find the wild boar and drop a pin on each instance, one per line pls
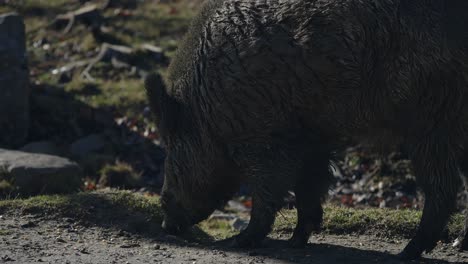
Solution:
(266, 91)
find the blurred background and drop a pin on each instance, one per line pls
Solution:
(85, 104)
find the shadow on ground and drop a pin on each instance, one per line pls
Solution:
(141, 218)
(325, 253)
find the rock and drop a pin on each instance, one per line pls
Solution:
(218, 215)
(14, 76)
(90, 144)
(42, 147)
(39, 173)
(239, 224)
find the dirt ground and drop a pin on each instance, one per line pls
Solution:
(33, 239)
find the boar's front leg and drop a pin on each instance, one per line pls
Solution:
(271, 169)
(436, 171)
(311, 188)
(462, 240)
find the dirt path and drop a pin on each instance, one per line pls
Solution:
(30, 239)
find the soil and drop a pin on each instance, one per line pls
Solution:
(39, 239)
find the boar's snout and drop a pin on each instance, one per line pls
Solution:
(172, 228)
(176, 219)
(175, 225)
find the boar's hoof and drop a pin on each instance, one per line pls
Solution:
(407, 255)
(171, 229)
(412, 251)
(298, 241)
(416, 247)
(243, 241)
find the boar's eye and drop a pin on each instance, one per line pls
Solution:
(162, 144)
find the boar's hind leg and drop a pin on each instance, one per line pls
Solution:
(462, 240)
(437, 173)
(311, 188)
(271, 169)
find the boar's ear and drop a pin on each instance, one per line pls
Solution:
(159, 100)
(155, 90)
(156, 93)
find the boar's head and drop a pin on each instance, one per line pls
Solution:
(198, 178)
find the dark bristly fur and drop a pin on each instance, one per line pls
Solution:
(266, 91)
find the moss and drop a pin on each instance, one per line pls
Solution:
(143, 214)
(218, 229)
(381, 222)
(123, 210)
(120, 209)
(4, 232)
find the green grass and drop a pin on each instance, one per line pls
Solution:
(140, 213)
(218, 229)
(84, 203)
(36, 7)
(4, 232)
(119, 175)
(155, 23)
(373, 221)
(125, 96)
(113, 91)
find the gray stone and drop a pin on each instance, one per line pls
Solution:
(42, 147)
(14, 79)
(39, 173)
(90, 144)
(239, 224)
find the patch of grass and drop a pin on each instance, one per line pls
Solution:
(139, 213)
(45, 9)
(7, 185)
(122, 90)
(4, 232)
(80, 204)
(218, 229)
(123, 210)
(126, 96)
(117, 89)
(119, 175)
(158, 23)
(372, 221)
(88, 206)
